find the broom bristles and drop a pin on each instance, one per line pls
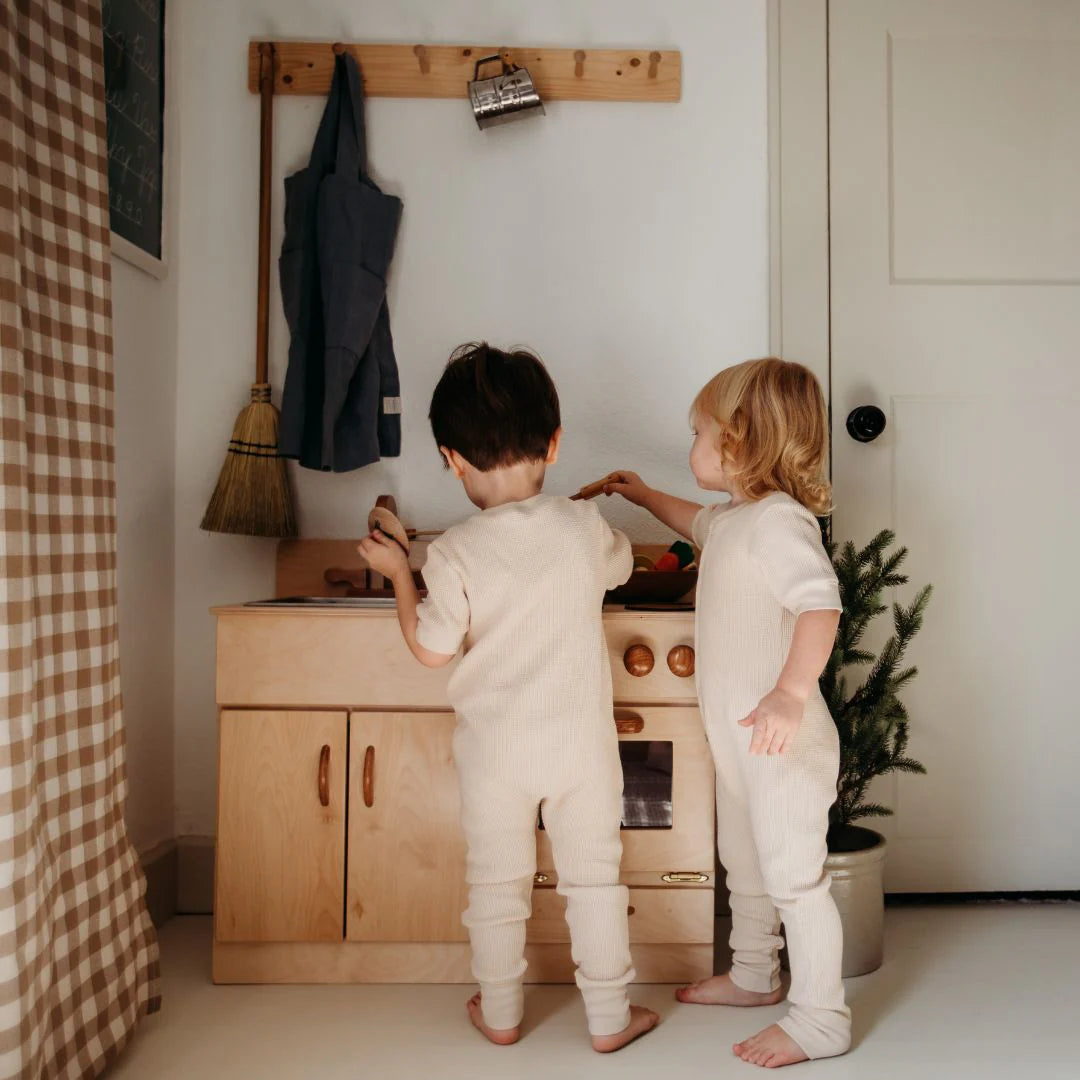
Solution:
(252, 496)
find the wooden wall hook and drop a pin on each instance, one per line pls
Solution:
(338, 48)
(422, 57)
(654, 63)
(579, 63)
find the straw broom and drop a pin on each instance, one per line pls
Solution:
(252, 496)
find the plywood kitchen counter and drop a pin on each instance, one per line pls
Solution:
(339, 854)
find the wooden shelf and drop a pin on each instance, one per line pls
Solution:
(442, 71)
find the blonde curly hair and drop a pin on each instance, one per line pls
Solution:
(774, 429)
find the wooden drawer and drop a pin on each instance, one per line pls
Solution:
(656, 916)
(346, 659)
(317, 659)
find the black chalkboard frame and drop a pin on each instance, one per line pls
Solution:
(121, 246)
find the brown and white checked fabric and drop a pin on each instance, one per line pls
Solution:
(78, 954)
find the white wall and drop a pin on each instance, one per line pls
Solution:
(144, 358)
(626, 243)
(144, 333)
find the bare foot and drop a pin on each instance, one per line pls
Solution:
(770, 1048)
(720, 990)
(641, 1021)
(500, 1036)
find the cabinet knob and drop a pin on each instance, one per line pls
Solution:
(638, 660)
(368, 781)
(681, 661)
(324, 775)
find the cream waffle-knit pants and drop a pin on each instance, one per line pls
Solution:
(772, 816)
(578, 788)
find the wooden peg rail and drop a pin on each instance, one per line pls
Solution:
(442, 71)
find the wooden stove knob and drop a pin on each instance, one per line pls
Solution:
(681, 661)
(638, 660)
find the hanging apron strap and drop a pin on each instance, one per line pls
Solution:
(324, 149)
(340, 142)
(352, 133)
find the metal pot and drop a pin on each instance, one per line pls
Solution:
(508, 96)
(859, 893)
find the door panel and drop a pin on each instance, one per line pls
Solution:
(280, 851)
(688, 846)
(955, 266)
(406, 873)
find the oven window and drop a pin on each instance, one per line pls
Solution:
(646, 800)
(647, 770)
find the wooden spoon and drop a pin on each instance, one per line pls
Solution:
(590, 491)
(386, 521)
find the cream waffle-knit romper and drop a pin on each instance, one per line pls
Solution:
(763, 565)
(522, 585)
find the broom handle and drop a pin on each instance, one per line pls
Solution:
(266, 98)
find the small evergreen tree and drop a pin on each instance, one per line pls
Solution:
(870, 718)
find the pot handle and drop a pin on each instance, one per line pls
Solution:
(507, 68)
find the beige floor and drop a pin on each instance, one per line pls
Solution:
(979, 991)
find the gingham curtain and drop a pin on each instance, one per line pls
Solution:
(78, 955)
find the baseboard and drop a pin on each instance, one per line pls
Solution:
(161, 868)
(195, 892)
(1030, 896)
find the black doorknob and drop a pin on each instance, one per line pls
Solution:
(865, 423)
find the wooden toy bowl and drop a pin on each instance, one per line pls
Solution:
(654, 587)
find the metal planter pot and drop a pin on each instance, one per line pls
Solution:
(859, 893)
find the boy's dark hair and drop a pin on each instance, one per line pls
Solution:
(495, 408)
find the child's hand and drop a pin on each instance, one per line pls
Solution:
(775, 722)
(629, 485)
(384, 555)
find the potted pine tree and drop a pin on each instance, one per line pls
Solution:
(873, 727)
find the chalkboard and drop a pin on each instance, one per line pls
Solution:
(133, 34)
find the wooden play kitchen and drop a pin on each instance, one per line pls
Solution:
(339, 853)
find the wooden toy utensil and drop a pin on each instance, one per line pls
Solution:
(590, 491)
(386, 521)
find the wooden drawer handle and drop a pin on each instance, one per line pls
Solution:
(369, 776)
(324, 775)
(629, 725)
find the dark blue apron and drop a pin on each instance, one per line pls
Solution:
(341, 405)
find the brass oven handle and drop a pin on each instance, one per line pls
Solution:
(324, 775)
(369, 776)
(629, 724)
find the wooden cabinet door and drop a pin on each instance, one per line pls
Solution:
(406, 872)
(281, 826)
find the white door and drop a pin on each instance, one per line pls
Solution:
(955, 265)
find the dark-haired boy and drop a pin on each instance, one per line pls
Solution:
(521, 584)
